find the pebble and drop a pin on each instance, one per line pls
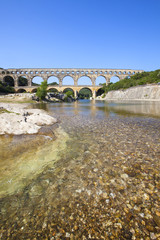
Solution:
(152, 235)
(105, 186)
(124, 176)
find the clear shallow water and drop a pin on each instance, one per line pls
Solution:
(102, 184)
(103, 108)
(18, 169)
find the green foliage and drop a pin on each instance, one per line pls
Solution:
(5, 88)
(100, 91)
(135, 80)
(53, 90)
(53, 83)
(84, 93)
(3, 110)
(23, 81)
(65, 99)
(42, 90)
(35, 84)
(9, 81)
(69, 93)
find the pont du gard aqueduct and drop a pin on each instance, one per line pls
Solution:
(60, 73)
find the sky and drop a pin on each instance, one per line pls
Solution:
(121, 34)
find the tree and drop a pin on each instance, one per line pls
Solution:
(69, 93)
(42, 90)
(23, 81)
(4, 88)
(9, 81)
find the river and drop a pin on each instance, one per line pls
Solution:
(98, 179)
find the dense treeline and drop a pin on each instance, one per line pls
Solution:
(5, 88)
(137, 79)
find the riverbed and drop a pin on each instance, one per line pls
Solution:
(99, 181)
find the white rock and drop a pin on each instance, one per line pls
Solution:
(124, 176)
(16, 123)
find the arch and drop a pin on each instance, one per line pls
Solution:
(22, 81)
(114, 79)
(21, 90)
(85, 93)
(9, 80)
(84, 80)
(34, 90)
(69, 92)
(68, 89)
(68, 80)
(53, 90)
(127, 77)
(99, 92)
(36, 80)
(52, 80)
(100, 80)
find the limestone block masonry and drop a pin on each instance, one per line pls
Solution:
(60, 73)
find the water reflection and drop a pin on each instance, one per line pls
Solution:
(103, 108)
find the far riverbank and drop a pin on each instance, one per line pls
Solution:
(149, 92)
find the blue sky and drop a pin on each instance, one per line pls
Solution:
(80, 34)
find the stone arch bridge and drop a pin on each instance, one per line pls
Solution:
(61, 73)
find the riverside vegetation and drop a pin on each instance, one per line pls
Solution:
(5, 88)
(135, 80)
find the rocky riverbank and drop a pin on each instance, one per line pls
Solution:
(17, 119)
(146, 93)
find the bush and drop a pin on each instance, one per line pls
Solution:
(42, 90)
(69, 93)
